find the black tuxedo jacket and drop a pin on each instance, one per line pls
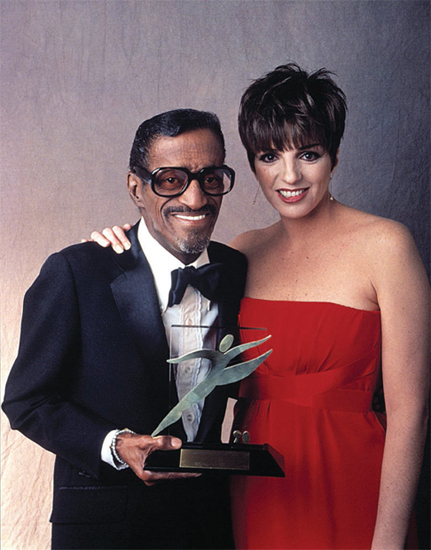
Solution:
(92, 358)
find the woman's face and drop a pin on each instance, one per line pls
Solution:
(294, 181)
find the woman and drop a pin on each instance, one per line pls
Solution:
(346, 299)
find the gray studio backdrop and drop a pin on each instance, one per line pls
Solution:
(78, 77)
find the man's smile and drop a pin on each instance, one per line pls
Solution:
(190, 217)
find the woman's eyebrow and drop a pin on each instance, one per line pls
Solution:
(309, 146)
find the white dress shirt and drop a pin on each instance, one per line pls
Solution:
(194, 310)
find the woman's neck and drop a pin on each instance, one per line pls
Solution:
(315, 226)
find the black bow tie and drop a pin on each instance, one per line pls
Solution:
(205, 279)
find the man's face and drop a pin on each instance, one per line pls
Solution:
(183, 225)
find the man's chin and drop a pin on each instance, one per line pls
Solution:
(194, 244)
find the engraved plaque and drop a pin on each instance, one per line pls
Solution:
(208, 459)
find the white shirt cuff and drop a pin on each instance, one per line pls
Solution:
(106, 453)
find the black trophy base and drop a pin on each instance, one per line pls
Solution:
(237, 459)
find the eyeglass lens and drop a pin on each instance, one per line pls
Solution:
(171, 181)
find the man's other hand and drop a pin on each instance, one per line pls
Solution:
(134, 450)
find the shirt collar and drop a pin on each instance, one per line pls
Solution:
(162, 263)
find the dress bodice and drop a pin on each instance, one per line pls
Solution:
(311, 337)
(324, 355)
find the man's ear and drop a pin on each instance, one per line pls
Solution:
(134, 185)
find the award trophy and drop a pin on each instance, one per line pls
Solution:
(203, 358)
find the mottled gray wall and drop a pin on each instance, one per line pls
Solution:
(77, 78)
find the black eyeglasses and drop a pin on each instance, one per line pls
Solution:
(172, 182)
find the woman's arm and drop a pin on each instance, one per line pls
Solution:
(403, 294)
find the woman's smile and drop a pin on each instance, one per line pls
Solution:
(292, 196)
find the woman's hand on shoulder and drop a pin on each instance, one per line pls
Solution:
(114, 237)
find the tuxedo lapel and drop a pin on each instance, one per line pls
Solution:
(228, 294)
(136, 298)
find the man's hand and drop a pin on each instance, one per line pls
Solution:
(134, 450)
(114, 237)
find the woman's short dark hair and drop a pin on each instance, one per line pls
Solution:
(171, 124)
(290, 108)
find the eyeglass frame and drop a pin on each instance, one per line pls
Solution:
(149, 177)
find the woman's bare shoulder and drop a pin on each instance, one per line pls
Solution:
(383, 240)
(253, 240)
(376, 230)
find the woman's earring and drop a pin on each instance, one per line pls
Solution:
(255, 197)
(331, 198)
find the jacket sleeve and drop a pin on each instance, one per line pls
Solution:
(38, 391)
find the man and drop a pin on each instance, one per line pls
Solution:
(91, 379)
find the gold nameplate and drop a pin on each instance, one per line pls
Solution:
(209, 459)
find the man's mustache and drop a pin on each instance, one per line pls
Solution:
(182, 209)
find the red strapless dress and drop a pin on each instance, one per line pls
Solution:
(312, 401)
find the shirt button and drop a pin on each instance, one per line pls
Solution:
(190, 417)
